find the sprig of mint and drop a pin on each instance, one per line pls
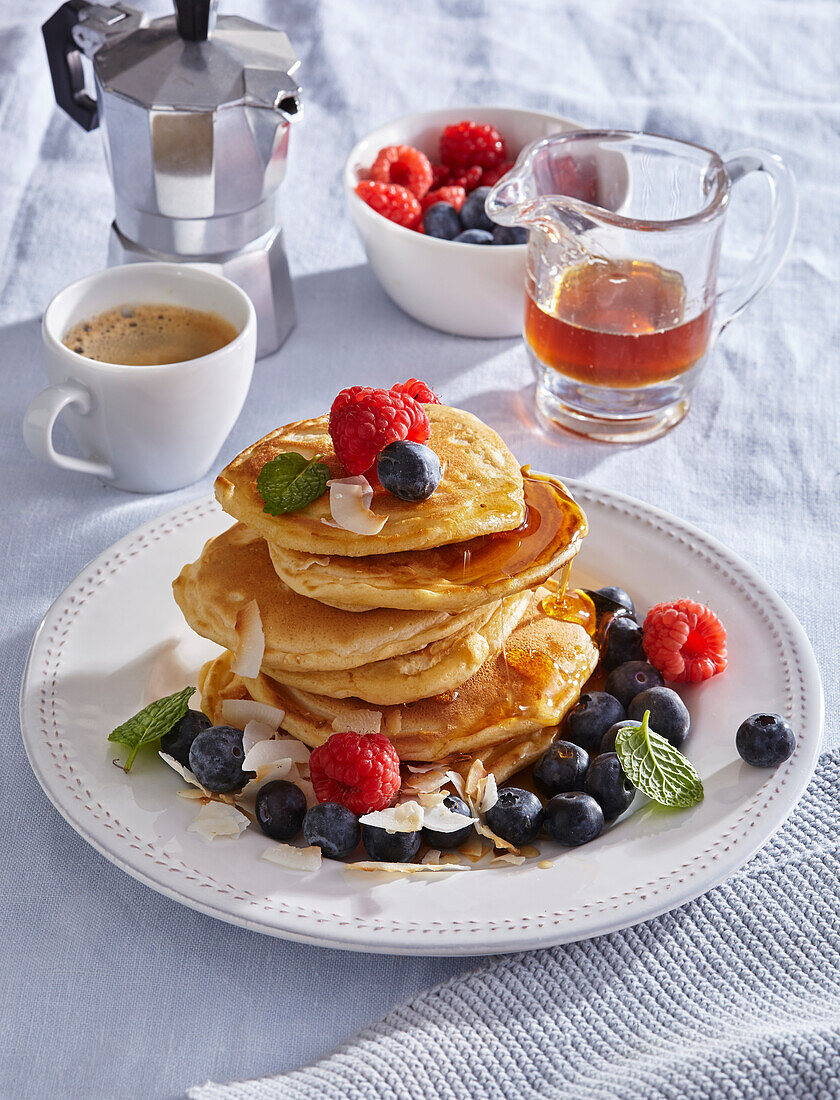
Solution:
(289, 482)
(658, 769)
(151, 723)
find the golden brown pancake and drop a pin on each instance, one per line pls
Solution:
(440, 667)
(480, 491)
(455, 577)
(235, 568)
(514, 695)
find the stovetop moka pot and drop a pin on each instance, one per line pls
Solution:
(195, 113)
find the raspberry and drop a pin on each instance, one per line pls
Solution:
(363, 421)
(491, 176)
(418, 390)
(469, 180)
(361, 771)
(685, 641)
(393, 202)
(468, 143)
(403, 165)
(441, 174)
(455, 196)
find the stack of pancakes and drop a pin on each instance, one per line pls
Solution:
(438, 630)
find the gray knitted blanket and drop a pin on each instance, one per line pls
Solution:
(736, 995)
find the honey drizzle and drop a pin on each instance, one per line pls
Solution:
(552, 520)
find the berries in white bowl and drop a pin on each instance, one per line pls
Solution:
(467, 289)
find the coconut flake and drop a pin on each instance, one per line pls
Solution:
(442, 820)
(490, 795)
(296, 859)
(425, 784)
(506, 857)
(218, 819)
(360, 721)
(239, 712)
(393, 720)
(403, 868)
(429, 799)
(474, 848)
(350, 499)
(265, 752)
(431, 858)
(498, 842)
(190, 793)
(184, 773)
(250, 641)
(422, 769)
(407, 818)
(457, 781)
(295, 750)
(254, 733)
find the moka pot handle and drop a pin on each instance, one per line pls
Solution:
(65, 60)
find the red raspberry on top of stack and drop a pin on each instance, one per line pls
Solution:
(363, 421)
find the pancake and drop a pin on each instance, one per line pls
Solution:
(440, 667)
(515, 694)
(300, 634)
(480, 492)
(454, 577)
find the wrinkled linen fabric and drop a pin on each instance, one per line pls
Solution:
(108, 989)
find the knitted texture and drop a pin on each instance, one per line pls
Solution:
(735, 996)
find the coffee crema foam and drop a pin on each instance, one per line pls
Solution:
(149, 335)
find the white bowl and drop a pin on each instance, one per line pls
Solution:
(465, 289)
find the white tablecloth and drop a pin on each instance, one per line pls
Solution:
(109, 990)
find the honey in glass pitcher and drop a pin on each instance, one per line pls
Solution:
(618, 323)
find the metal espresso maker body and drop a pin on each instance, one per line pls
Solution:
(195, 113)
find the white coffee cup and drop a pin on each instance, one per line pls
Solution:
(148, 429)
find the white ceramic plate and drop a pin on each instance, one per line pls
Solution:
(114, 639)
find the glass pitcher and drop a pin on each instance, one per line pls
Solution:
(621, 297)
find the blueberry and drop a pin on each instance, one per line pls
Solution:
(589, 720)
(333, 828)
(623, 643)
(609, 786)
(474, 236)
(608, 744)
(410, 471)
(573, 818)
(510, 234)
(280, 809)
(765, 740)
(216, 757)
(441, 220)
(668, 713)
(626, 681)
(473, 214)
(517, 817)
(460, 836)
(561, 768)
(619, 596)
(177, 742)
(389, 847)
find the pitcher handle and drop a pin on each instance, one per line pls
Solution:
(781, 225)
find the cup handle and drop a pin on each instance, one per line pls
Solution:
(40, 419)
(784, 206)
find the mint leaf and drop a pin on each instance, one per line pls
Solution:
(658, 769)
(151, 723)
(289, 482)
